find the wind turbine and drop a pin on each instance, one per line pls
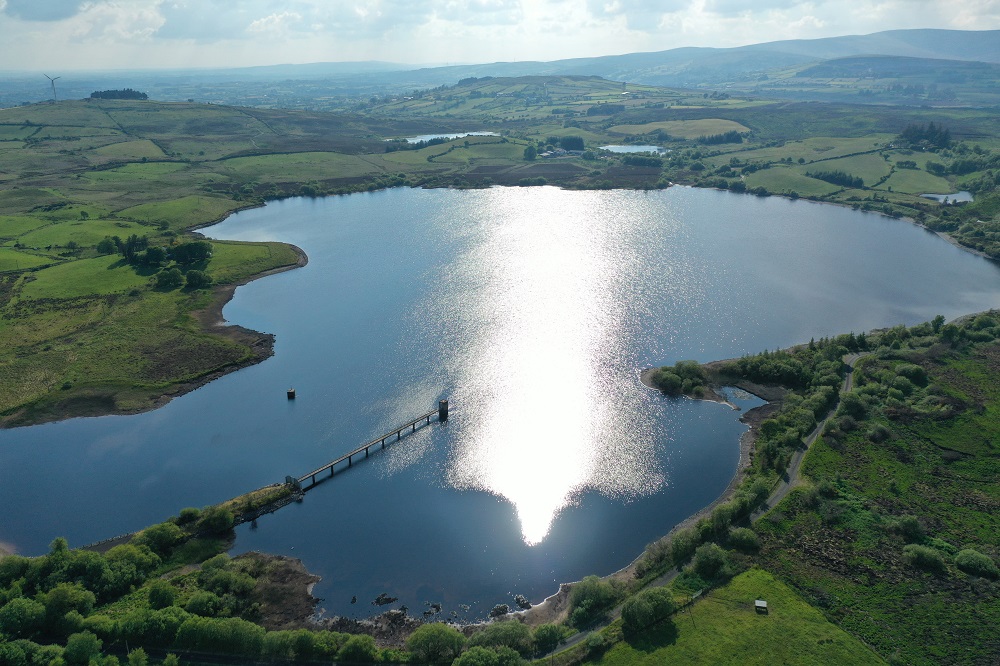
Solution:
(53, 81)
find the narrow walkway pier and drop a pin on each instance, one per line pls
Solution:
(311, 479)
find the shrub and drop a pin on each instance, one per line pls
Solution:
(588, 599)
(744, 539)
(435, 643)
(682, 545)
(975, 563)
(547, 637)
(359, 648)
(709, 560)
(910, 528)
(924, 558)
(169, 279)
(646, 608)
(161, 594)
(198, 280)
(509, 633)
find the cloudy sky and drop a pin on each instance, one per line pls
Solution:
(100, 34)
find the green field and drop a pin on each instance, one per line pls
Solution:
(723, 628)
(685, 129)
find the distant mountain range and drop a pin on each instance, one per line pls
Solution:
(681, 66)
(761, 69)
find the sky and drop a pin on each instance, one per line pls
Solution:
(64, 35)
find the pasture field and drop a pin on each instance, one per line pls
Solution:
(723, 628)
(871, 167)
(16, 260)
(296, 167)
(82, 232)
(73, 279)
(912, 181)
(785, 180)
(180, 213)
(685, 129)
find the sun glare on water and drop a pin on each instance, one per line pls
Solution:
(538, 326)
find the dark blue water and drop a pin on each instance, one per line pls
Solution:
(532, 310)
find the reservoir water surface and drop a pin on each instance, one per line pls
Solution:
(532, 310)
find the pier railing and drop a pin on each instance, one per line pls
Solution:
(310, 479)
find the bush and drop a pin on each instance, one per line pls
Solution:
(547, 637)
(975, 563)
(80, 648)
(924, 558)
(169, 279)
(588, 599)
(744, 539)
(198, 280)
(509, 633)
(647, 608)
(359, 648)
(161, 594)
(709, 560)
(910, 528)
(435, 643)
(682, 545)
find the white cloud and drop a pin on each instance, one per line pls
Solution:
(239, 32)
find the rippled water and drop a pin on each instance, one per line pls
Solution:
(532, 310)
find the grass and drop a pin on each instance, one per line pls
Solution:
(232, 261)
(297, 167)
(85, 277)
(723, 628)
(871, 167)
(912, 181)
(15, 260)
(82, 232)
(684, 129)
(184, 212)
(784, 180)
(12, 226)
(131, 150)
(848, 559)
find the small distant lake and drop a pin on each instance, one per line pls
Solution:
(428, 137)
(950, 198)
(635, 149)
(532, 310)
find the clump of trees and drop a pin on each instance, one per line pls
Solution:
(126, 93)
(643, 161)
(838, 177)
(732, 136)
(929, 136)
(683, 378)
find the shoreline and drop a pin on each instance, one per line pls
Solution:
(210, 320)
(554, 608)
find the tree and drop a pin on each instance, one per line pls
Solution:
(21, 618)
(509, 633)
(216, 519)
(106, 246)
(198, 280)
(359, 648)
(160, 538)
(547, 637)
(709, 560)
(435, 643)
(82, 647)
(161, 594)
(138, 657)
(646, 608)
(169, 279)
(571, 143)
(530, 153)
(189, 253)
(588, 599)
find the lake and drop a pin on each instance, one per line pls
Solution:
(532, 310)
(634, 149)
